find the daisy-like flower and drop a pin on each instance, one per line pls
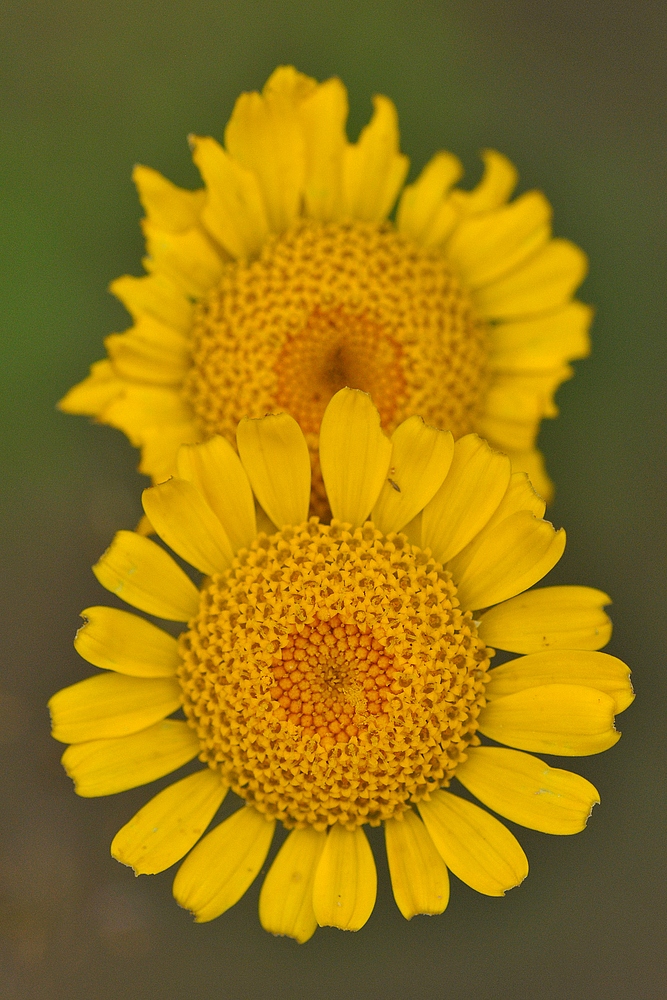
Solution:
(334, 675)
(282, 280)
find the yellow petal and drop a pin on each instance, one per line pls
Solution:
(264, 522)
(159, 448)
(544, 282)
(519, 495)
(525, 790)
(189, 258)
(217, 472)
(485, 247)
(277, 462)
(234, 212)
(354, 455)
(92, 396)
(496, 186)
(264, 135)
(513, 556)
(141, 573)
(445, 221)
(104, 767)
(419, 876)
(509, 436)
(542, 342)
(170, 824)
(224, 864)
(111, 705)
(373, 168)
(474, 486)
(571, 666)
(144, 406)
(420, 460)
(521, 397)
(323, 115)
(532, 463)
(286, 899)
(421, 201)
(413, 530)
(474, 845)
(156, 295)
(183, 519)
(549, 618)
(170, 207)
(120, 641)
(345, 883)
(144, 527)
(150, 352)
(563, 719)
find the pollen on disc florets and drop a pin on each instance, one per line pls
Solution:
(328, 305)
(331, 675)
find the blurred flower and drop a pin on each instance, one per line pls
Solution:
(281, 281)
(334, 675)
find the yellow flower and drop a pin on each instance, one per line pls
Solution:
(281, 281)
(337, 675)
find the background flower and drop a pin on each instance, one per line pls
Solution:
(281, 279)
(574, 94)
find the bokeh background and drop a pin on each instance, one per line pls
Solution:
(575, 94)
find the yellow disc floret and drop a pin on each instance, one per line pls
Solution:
(331, 305)
(331, 675)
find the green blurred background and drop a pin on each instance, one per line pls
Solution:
(575, 95)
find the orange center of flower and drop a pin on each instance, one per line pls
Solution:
(332, 678)
(333, 304)
(331, 675)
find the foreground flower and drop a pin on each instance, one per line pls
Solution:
(334, 675)
(281, 281)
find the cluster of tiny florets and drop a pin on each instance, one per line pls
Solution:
(331, 675)
(328, 305)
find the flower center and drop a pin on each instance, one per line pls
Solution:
(331, 675)
(333, 304)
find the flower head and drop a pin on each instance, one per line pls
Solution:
(282, 280)
(336, 675)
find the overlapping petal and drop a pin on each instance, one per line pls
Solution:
(354, 455)
(117, 640)
(216, 471)
(420, 460)
(475, 847)
(571, 666)
(525, 790)
(150, 352)
(566, 719)
(286, 899)
(170, 824)
(224, 864)
(275, 457)
(345, 882)
(474, 486)
(514, 555)
(107, 766)
(373, 167)
(111, 705)
(183, 519)
(549, 618)
(145, 576)
(419, 876)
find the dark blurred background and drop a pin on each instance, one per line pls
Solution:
(574, 93)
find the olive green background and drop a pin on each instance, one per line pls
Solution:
(575, 95)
